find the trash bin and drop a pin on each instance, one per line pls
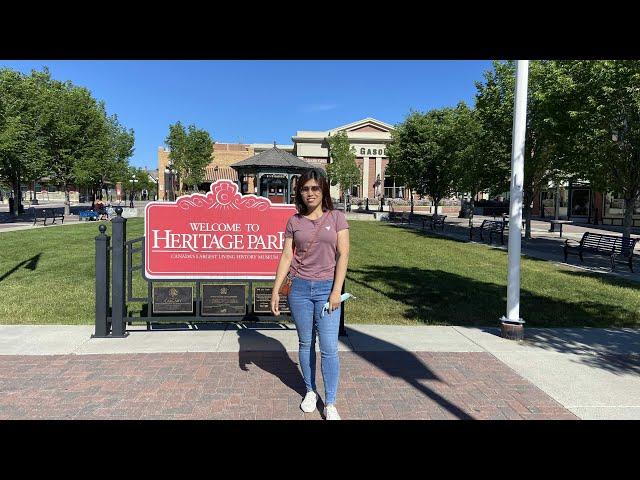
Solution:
(465, 211)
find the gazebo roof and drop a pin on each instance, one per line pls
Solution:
(273, 157)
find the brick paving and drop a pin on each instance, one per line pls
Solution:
(266, 385)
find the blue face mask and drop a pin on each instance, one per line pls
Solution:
(343, 297)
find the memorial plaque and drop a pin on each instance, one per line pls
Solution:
(224, 299)
(172, 299)
(262, 301)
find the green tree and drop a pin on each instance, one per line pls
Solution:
(424, 153)
(190, 152)
(111, 165)
(76, 135)
(473, 172)
(22, 153)
(59, 129)
(143, 181)
(342, 169)
(604, 106)
(547, 126)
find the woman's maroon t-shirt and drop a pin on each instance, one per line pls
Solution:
(320, 263)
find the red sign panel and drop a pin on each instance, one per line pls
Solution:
(222, 234)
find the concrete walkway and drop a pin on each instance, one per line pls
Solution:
(592, 373)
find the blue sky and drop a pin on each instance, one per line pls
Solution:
(261, 101)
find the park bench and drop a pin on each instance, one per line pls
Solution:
(394, 216)
(56, 213)
(88, 215)
(401, 217)
(489, 227)
(42, 214)
(39, 215)
(434, 221)
(611, 246)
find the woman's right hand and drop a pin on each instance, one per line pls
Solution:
(275, 303)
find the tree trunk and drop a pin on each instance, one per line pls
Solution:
(526, 207)
(411, 199)
(67, 200)
(629, 203)
(17, 195)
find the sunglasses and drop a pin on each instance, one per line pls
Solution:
(313, 188)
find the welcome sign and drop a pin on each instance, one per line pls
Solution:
(220, 235)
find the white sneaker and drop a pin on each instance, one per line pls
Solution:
(331, 413)
(308, 404)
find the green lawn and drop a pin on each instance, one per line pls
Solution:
(399, 276)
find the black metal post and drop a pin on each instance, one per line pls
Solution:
(35, 196)
(118, 307)
(342, 332)
(102, 283)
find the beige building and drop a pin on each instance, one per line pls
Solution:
(368, 138)
(224, 154)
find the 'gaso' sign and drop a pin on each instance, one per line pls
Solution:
(222, 234)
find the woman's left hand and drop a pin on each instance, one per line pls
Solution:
(334, 301)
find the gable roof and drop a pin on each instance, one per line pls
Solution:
(364, 125)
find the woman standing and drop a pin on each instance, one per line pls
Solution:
(317, 266)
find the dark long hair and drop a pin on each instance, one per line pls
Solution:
(320, 177)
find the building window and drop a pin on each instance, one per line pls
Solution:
(580, 201)
(614, 205)
(548, 200)
(392, 189)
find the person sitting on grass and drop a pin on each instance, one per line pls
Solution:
(110, 211)
(101, 211)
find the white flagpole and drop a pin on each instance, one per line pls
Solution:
(512, 319)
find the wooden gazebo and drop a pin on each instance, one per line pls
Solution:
(273, 173)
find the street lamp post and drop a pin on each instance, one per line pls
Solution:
(35, 196)
(169, 171)
(134, 180)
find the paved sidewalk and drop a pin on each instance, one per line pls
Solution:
(251, 372)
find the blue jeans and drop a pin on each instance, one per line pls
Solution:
(306, 299)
